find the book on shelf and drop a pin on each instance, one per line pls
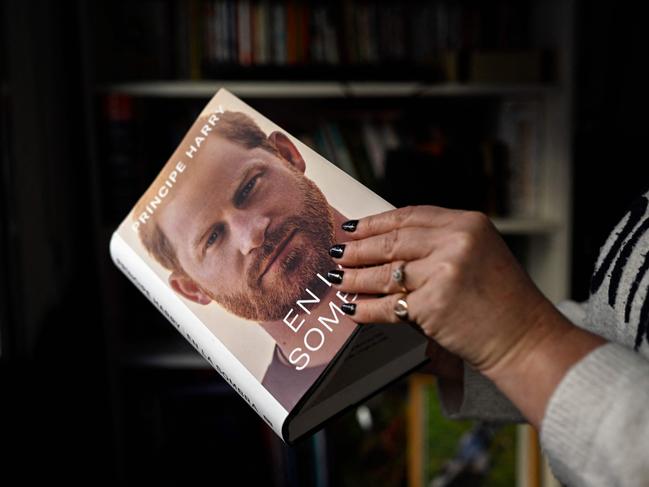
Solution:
(436, 41)
(450, 41)
(519, 128)
(231, 243)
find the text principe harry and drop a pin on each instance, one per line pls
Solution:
(178, 169)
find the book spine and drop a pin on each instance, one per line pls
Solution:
(220, 29)
(304, 34)
(375, 148)
(233, 48)
(208, 32)
(181, 44)
(519, 129)
(196, 36)
(244, 34)
(341, 151)
(349, 37)
(265, 32)
(259, 34)
(291, 33)
(227, 32)
(279, 34)
(331, 33)
(195, 331)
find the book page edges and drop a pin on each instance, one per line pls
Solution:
(356, 392)
(187, 323)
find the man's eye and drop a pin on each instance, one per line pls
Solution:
(247, 189)
(214, 234)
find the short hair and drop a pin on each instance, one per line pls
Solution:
(236, 127)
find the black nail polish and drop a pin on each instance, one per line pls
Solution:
(350, 226)
(337, 251)
(348, 308)
(335, 276)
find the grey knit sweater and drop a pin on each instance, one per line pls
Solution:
(596, 426)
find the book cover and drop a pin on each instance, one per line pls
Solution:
(230, 242)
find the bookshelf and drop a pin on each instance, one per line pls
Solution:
(339, 92)
(326, 89)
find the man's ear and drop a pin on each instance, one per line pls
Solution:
(287, 150)
(187, 287)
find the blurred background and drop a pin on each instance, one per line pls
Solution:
(533, 111)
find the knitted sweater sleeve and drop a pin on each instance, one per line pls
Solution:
(596, 427)
(595, 431)
(477, 398)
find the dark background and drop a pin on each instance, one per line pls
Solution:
(57, 409)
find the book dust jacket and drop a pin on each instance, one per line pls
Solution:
(231, 243)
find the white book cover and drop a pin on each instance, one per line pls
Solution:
(231, 243)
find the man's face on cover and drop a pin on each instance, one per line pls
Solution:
(250, 230)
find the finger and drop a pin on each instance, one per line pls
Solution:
(399, 244)
(408, 216)
(422, 303)
(380, 279)
(376, 310)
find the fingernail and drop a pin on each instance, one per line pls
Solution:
(335, 276)
(348, 308)
(350, 226)
(337, 251)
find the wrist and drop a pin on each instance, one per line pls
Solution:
(534, 330)
(531, 371)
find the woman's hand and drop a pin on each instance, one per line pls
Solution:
(468, 294)
(463, 286)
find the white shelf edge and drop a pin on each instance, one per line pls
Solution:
(525, 226)
(166, 358)
(171, 360)
(320, 89)
(487, 89)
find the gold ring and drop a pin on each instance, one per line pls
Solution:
(401, 309)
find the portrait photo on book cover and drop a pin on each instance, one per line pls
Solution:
(236, 228)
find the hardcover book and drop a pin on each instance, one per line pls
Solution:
(231, 243)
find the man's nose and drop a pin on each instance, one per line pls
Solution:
(249, 230)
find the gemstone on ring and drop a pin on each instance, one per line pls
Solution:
(401, 309)
(399, 275)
